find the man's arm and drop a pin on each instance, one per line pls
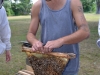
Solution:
(83, 29)
(34, 24)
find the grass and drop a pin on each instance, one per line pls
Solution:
(89, 52)
(18, 17)
(92, 17)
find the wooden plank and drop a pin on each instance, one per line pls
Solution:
(29, 72)
(23, 73)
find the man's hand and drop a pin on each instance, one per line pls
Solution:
(8, 56)
(37, 46)
(50, 45)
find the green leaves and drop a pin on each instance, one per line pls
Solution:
(22, 8)
(89, 5)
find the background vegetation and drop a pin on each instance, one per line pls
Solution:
(13, 9)
(23, 8)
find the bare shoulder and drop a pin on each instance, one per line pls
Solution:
(76, 4)
(36, 6)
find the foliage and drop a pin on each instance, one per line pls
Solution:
(7, 5)
(25, 1)
(89, 5)
(22, 8)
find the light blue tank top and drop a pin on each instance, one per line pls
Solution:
(56, 24)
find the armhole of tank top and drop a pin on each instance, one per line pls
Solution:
(71, 11)
(70, 7)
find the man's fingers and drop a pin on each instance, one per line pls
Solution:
(40, 47)
(33, 48)
(48, 48)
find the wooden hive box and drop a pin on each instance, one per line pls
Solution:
(52, 63)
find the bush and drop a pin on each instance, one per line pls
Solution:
(89, 5)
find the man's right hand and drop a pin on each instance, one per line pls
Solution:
(37, 46)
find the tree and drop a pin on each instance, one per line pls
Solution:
(7, 5)
(98, 6)
(25, 1)
(21, 7)
(91, 5)
(88, 5)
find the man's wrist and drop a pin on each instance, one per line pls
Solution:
(62, 41)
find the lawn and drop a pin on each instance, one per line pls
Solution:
(89, 52)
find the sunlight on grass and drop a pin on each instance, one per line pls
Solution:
(89, 17)
(92, 17)
(19, 17)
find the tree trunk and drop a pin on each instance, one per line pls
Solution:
(98, 6)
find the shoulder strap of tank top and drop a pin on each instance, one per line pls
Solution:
(43, 3)
(69, 5)
(68, 2)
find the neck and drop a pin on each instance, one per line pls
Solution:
(54, 1)
(48, 0)
(55, 4)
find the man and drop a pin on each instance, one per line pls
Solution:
(5, 33)
(63, 26)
